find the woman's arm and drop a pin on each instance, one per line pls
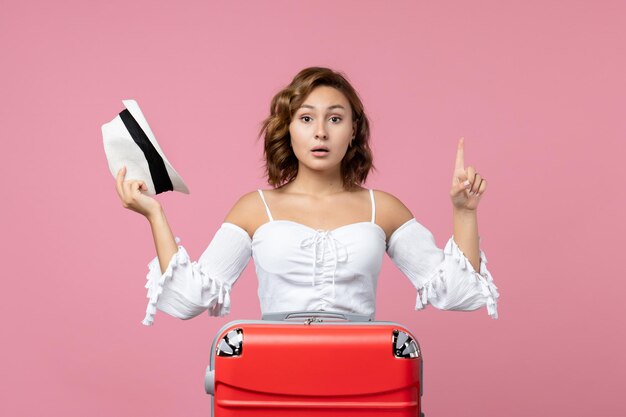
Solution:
(466, 235)
(455, 278)
(443, 277)
(164, 241)
(467, 188)
(132, 197)
(184, 288)
(187, 288)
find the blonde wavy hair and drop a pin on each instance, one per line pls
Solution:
(281, 164)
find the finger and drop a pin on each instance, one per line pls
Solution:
(462, 188)
(460, 179)
(459, 187)
(483, 186)
(470, 173)
(459, 164)
(128, 192)
(119, 180)
(475, 184)
(480, 183)
(140, 186)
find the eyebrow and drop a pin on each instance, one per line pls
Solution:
(334, 106)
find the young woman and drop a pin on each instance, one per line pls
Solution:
(318, 237)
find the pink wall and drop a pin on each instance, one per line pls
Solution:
(536, 87)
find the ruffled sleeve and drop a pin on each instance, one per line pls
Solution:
(444, 278)
(187, 287)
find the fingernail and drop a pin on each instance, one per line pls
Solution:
(466, 183)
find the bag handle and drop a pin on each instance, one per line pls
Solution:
(286, 315)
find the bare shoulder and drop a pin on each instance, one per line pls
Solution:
(248, 212)
(391, 213)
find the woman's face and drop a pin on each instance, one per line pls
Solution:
(323, 121)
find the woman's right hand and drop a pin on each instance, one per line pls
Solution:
(132, 197)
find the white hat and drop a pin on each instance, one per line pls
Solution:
(128, 140)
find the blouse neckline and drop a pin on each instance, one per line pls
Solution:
(312, 229)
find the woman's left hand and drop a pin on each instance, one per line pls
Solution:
(467, 184)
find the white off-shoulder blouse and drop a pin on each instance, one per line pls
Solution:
(301, 268)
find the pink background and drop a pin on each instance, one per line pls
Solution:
(537, 88)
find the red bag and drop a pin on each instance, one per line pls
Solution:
(314, 367)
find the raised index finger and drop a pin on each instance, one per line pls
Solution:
(459, 163)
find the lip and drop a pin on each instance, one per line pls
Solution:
(317, 154)
(318, 148)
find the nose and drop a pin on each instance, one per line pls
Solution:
(321, 131)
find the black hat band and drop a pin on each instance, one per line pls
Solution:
(158, 171)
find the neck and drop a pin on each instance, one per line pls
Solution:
(318, 183)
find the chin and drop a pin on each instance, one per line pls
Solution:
(323, 165)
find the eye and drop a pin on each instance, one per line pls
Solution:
(305, 117)
(336, 117)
